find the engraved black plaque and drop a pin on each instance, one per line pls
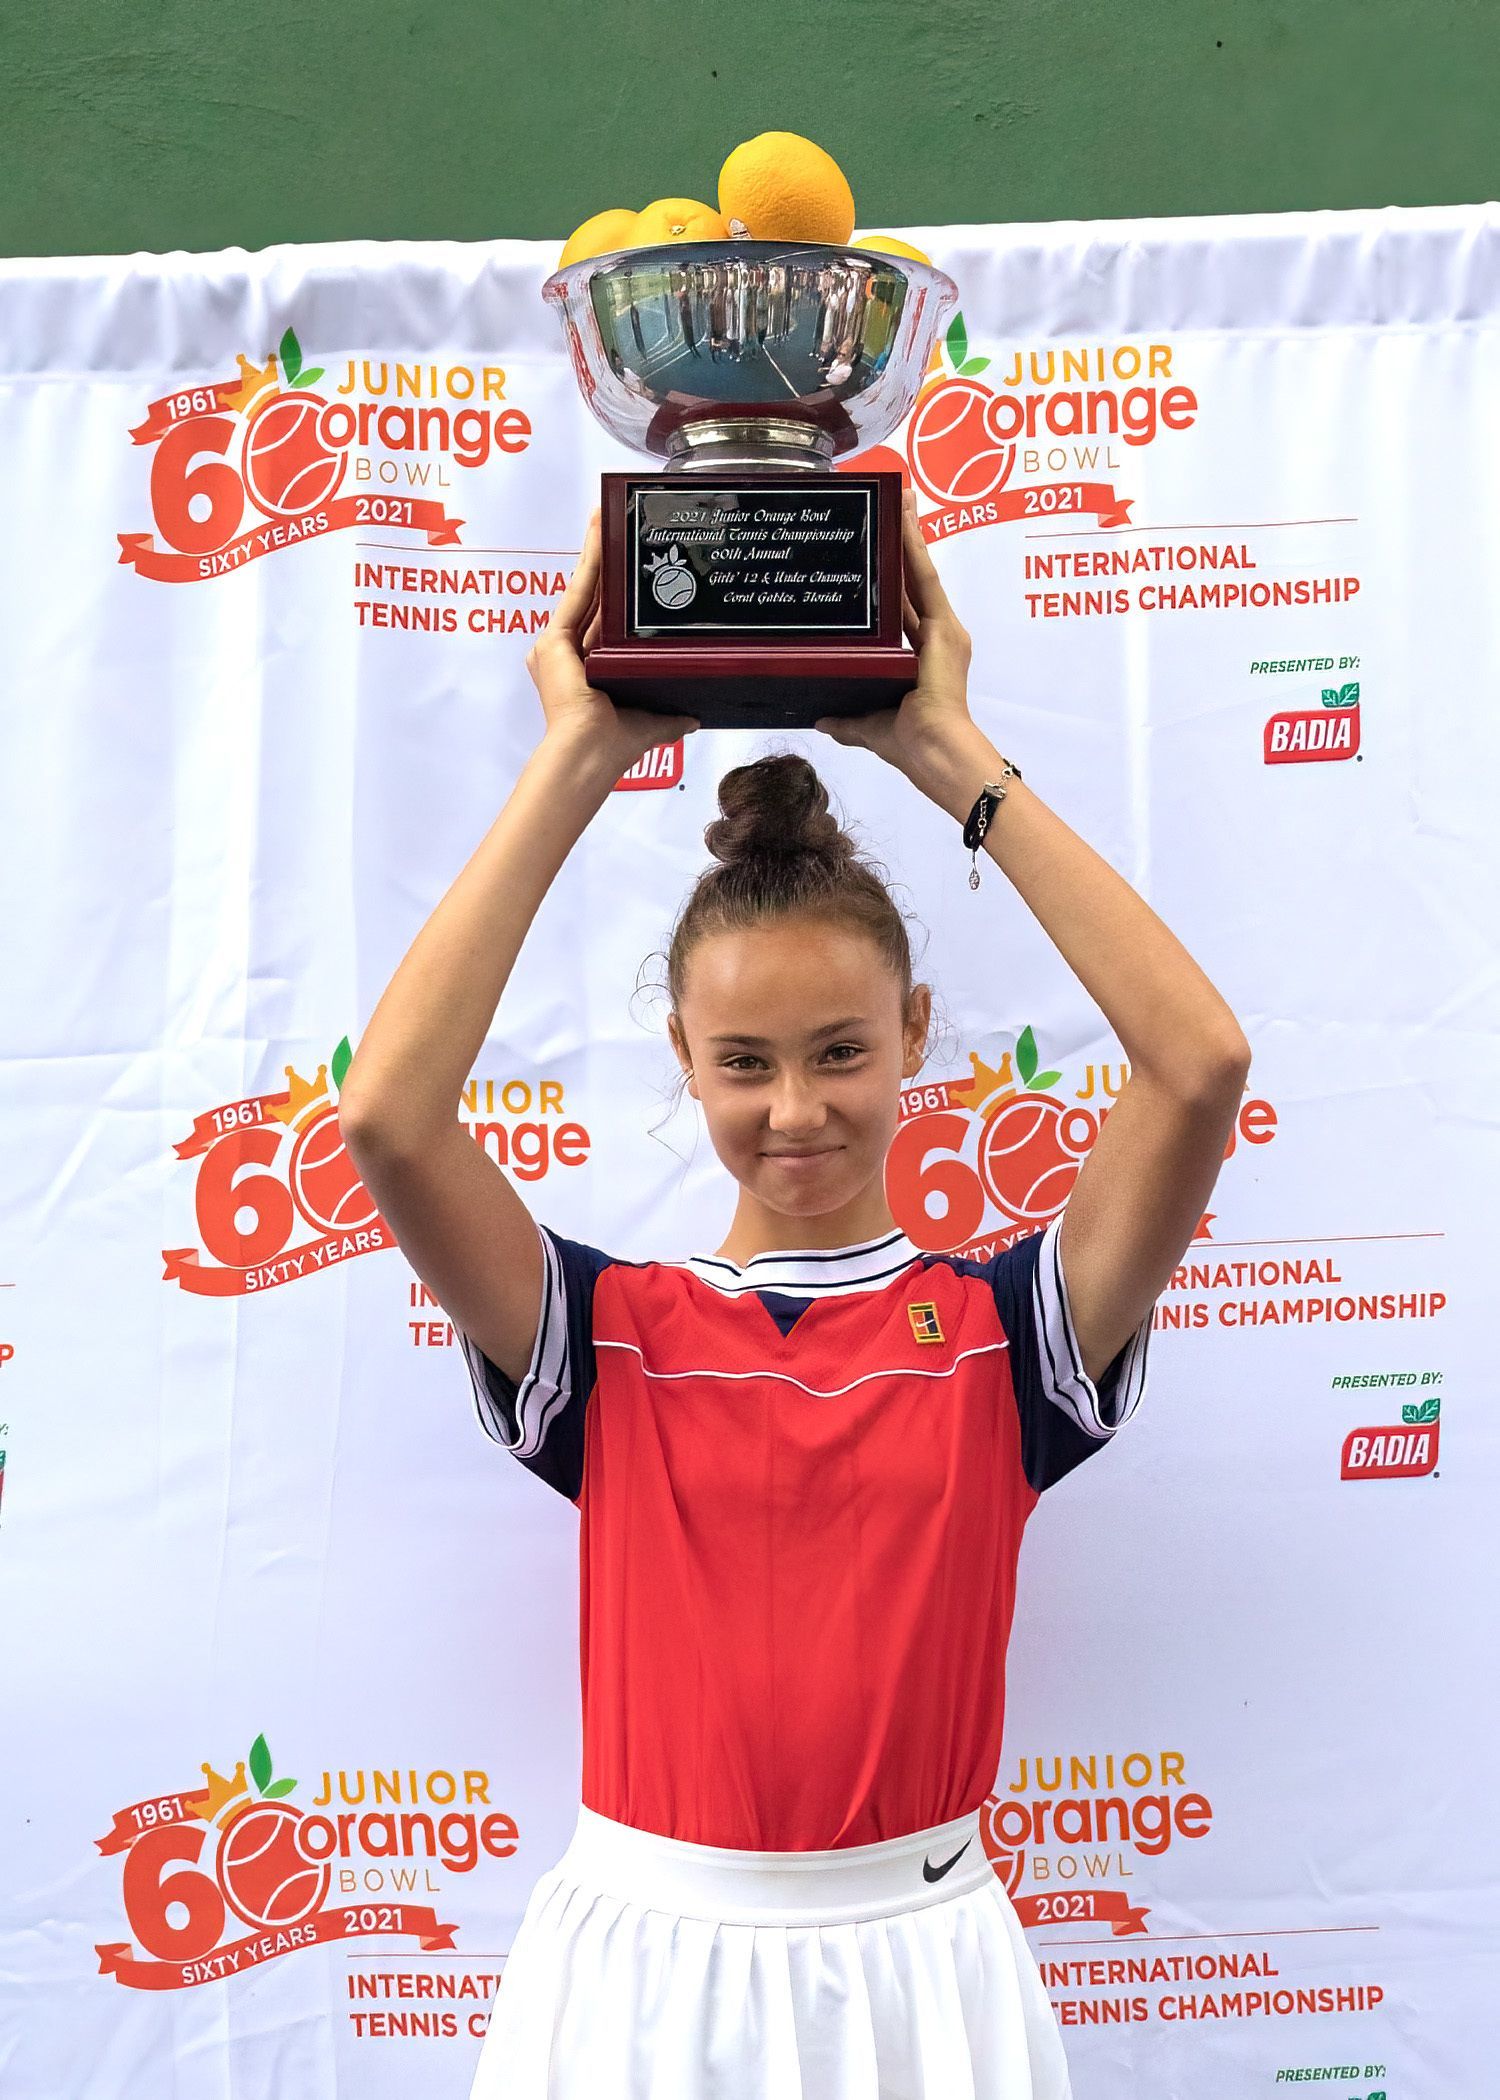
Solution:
(713, 558)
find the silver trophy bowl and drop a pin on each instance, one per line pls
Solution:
(715, 354)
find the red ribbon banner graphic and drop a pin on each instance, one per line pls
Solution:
(171, 409)
(185, 1265)
(146, 1815)
(117, 1957)
(139, 551)
(230, 1115)
(1097, 1906)
(1050, 502)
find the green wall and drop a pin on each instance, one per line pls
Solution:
(243, 122)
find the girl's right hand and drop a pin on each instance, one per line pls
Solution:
(571, 705)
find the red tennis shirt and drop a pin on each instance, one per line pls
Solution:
(802, 1485)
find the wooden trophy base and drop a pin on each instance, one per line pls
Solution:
(751, 598)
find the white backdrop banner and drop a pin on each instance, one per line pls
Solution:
(291, 1674)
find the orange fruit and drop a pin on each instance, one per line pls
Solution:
(782, 187)
(677, 219)
(887, 244)
(605, 231)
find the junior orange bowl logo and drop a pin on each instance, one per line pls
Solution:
(978, 1164)
(247, 466)
(199, 1863)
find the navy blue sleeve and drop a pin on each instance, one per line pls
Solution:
(1065, 1416)
(540, 1420)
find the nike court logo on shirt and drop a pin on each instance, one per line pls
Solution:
(932, 1873)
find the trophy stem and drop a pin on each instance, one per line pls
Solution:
(739, 442)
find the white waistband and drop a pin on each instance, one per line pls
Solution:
(787, 1888)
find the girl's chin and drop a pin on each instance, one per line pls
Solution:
(816, 1183)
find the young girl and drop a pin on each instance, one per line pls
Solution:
(802, 1461)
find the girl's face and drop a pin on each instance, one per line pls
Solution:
(794, 1041)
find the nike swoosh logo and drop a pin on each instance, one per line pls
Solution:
(932, 1873)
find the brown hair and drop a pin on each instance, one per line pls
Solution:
(780, 851)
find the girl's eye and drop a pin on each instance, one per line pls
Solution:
(746, 1061)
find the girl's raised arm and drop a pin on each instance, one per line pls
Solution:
(455, 1213)
(1141, 1193)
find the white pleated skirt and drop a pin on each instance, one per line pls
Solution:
(647, 1968)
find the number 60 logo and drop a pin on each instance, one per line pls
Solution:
(292, 459)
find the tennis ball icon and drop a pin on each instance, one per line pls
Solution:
(262, 1874)
(958, 451)
(673, 583)
(289, 468)
(324, 1180)
(1029, 1157)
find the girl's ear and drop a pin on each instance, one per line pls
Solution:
(917, 1027)
(679, 1045)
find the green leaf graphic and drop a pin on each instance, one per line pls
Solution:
(1349, 696)
(1330, 696)
(1043, 1080)
(958, 341)
(972, 365)
(260, 1762)
(291, 355)
(1026, 1054)
(343, 1058)
(307, 378)
(282, 1786)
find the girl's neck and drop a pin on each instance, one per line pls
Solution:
(759, 1230)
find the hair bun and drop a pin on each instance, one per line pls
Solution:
(775, 809)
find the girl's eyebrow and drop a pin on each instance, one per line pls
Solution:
(762, 1042)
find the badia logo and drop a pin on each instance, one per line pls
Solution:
(270, 1168)
(198, 1865)
(989, 446)
(1300, 735)
(660, 767)
(975, 1166)
(247, 466)
(1385, 1452)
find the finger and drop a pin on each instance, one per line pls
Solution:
(572, 610)
(909, 620)
(922, 578)
(591, 632)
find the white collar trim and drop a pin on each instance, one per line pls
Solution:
(809, 1272)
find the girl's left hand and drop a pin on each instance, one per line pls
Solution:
(935, 713)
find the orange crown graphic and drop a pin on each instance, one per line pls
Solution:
(221, 1791)
(307, 1097)
(254, 380)
(986, 1081)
